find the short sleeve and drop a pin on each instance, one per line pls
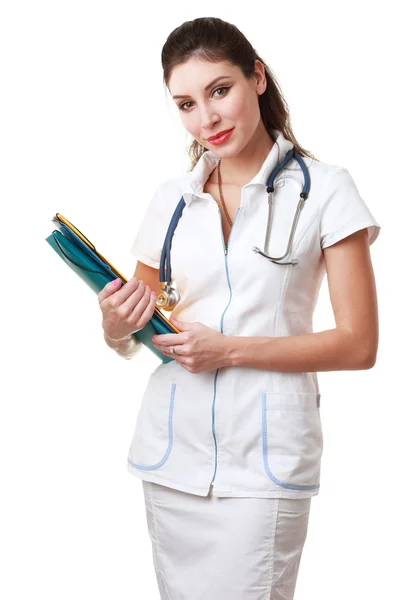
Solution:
(150, 236)
(343, 211)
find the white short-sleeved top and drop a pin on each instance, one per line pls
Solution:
(248, 432)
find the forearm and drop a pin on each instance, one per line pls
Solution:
(127, 347)
(330, 350)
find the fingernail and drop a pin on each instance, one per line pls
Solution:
(115, 282)
(153, 293)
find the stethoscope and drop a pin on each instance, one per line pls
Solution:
(168, 297)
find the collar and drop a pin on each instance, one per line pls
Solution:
(209, 160)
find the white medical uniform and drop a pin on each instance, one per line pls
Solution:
(254, 432)
(213, 548)
(230, 458)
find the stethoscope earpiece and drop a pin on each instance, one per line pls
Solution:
(293, 262)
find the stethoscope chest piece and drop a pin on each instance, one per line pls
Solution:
(168, 297)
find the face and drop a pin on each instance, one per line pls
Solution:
(230, 102)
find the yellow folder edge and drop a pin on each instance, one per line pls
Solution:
(59, 217)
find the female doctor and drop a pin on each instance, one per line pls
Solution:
(228, 439)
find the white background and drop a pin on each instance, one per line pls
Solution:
(88, 130)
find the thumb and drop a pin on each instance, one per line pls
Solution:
(182, 325)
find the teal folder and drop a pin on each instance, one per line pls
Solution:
(96, 271)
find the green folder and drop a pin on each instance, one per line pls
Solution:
(96, 271)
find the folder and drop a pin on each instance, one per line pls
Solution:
(96, 271)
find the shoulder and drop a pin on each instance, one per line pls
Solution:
(331, 181)
(169, 193)
(324, 174)
(166, 197)
(176, 185)
(342, 209)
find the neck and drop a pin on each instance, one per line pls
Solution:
(240, 169)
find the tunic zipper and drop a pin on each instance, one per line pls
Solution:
(225, 246)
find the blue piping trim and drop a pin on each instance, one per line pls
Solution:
(222, 329)
(265, 454)
(230, 291)
(168, 451)
(213, 425)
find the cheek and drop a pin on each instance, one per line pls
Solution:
(244, 108)
(191, 124)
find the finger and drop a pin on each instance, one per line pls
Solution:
(149, 310)
(132, 301)
(146, 304)
(165, 339)
(166, 346)
(182, 325)
(130, 286)
(110, 288)
(182, 362)
(178, 349)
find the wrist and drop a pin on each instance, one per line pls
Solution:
(232, 351)
(250, 351)
(127, 346)
(116, 339)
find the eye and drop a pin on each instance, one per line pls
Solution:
(216, 89)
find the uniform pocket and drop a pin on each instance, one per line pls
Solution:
(153, 437)
(292, 438)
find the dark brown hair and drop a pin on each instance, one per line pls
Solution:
(215, 40)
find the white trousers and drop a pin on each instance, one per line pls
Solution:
(210, 548)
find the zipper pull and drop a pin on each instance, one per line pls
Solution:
(226, 250)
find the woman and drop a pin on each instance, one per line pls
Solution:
(228, 440)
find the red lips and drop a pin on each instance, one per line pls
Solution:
(213, 137)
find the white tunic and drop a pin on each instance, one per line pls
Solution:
(246, 431)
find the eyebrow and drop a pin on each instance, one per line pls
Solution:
(207, 86)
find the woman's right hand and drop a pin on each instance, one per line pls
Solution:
(125, 308)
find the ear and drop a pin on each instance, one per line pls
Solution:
(260, 77)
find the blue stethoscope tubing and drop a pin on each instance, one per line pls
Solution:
(165, 261)
(303, 197)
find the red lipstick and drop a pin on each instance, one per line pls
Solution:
(221, 137)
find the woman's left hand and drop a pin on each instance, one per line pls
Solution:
(198, 348)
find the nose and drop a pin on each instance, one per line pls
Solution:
(208, 120)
